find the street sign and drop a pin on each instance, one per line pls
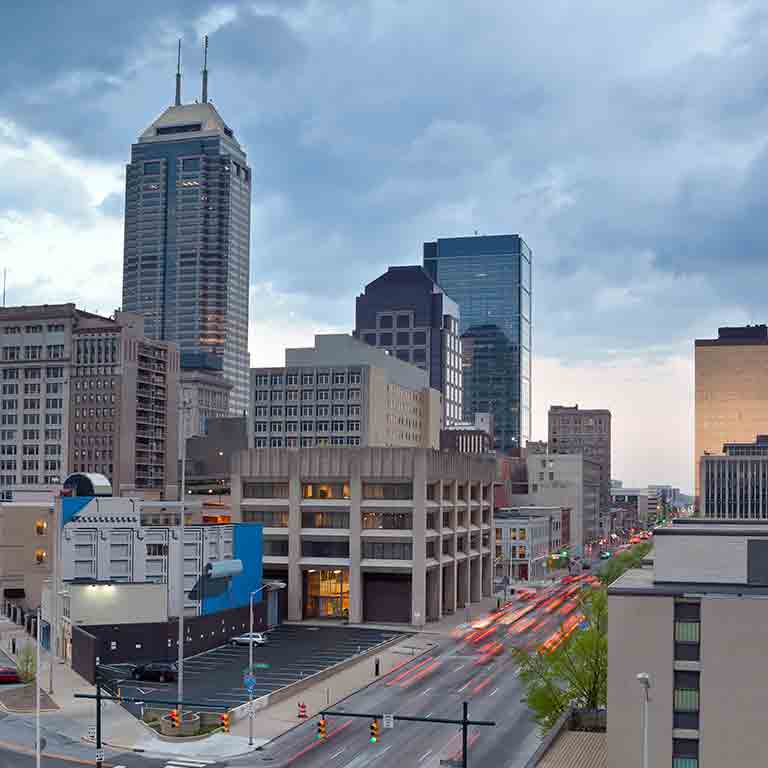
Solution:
(249, 681)
(388, 720)
(91, 731)
(261, 665)
(99, 755)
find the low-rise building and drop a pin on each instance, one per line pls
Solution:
(344, 392)
(694, 622)
(525, 537)
(734, 484)
(465, 437)
(372, 534)
(630, 506)
(204, 391)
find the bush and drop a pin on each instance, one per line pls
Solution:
(26, 662)
(621, 563)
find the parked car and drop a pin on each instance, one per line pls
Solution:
(586, 565)
(259, 638)
(162, 671)
(605, 555)
(9, 675)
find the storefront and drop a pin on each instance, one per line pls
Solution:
(326, 593)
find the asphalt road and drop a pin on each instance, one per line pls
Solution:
(475, 667)
(214, 679)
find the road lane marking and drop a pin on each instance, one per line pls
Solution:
(493, 691)
(337, 754)
(466, 685)
(425, 755)
(460, 668)
(424, 693)
(429, 714)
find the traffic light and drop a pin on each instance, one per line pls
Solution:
(322, 729)
(224, 719)
(374, 731)
(174, 715)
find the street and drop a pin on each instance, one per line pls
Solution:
(474, 666)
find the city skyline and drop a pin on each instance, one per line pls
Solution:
(357, 168)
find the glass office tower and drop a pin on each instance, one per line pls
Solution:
(490, 279)
(187, 239)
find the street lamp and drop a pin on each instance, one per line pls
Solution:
(267, 585)
(185, 406)
(645, 681)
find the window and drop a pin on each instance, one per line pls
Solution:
(686, 700)
(370, 338)
(153, 168)
(273, 518)
(276, 395)
(325, 490)
(420, 337)
(276, 380)
(307, 394)
(387, 521)
(292, 427)
(325, 548)
(404, 354)
(385, 321)
(383, 550)
(685, 753)
(307, 426)
(354, 410)
(323, 394)
(385, 339)
(253, 490)
(324, 519)
(292, 410)
(687, 631)
(354, 378)
(337, 426)
(403, 321)
(403, 338)
(276, 547)
(354, 394)
(419, 355)
(262, 380)
(388, 491)
(307, 379)
(190, 164)
(292, 379)
(157, 550)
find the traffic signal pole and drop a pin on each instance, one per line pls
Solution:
(465, 722)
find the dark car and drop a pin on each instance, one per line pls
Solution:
(9, 675)
(586, 565)
(162, 671)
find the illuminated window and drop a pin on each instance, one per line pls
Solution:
(40, 556)
(41, 526)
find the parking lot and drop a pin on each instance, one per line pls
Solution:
(214, 679)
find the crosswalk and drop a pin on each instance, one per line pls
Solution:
(185, 762)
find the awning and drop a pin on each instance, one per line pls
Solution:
(14, 593)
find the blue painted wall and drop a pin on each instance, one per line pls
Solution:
(221, 594)
(71, 505)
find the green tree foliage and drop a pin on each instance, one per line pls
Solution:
(622, 562)
(26, 663)
(576, 672)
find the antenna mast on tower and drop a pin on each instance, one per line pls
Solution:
(205, 70)
(178, 76)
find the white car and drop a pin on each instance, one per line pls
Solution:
(259, 638)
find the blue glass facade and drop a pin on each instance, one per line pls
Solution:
(490, 277)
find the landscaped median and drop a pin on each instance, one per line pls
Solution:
(20, 700)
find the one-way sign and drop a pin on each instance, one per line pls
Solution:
(388, 720)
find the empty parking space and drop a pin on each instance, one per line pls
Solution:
(214, 679)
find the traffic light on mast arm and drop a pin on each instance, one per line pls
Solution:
(374, 731)
(224, 719)
(322, 728)
(174, 716)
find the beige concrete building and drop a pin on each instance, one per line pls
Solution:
(695, 622)
(207, 393)
(371, 534)
(731, 390)
(25, 555)
(82, 392)
(344, 392)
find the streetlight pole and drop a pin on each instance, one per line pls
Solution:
(37, 691)
(184, 407)
(645, 681)
(268, 585)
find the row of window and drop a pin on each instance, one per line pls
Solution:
(292, 427)
(51, 372)
(32, 388)
(687, 684)
(14, 330)
(32, 352)
(29, 434)
(31, 403)
(292, 395)
(304, 442)
(30, 419)
(307, 379)
(399, 339)
(277, 411)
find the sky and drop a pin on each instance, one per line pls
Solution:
(625, 142)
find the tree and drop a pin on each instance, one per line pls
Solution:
(620, 563)
(576, 672)
(26, 662)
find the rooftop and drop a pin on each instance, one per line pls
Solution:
(187, 121)
(735, 336)
(576, 749)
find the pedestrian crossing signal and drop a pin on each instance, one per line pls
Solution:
(374, 731)
(322, 729)
(224, 719)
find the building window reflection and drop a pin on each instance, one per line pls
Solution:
(326, 593)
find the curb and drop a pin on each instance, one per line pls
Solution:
(348, 696)
(11, 711)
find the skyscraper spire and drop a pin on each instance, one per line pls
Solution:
(178, 76)
(205, 70)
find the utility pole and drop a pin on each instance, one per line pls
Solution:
(184, 407)
(37, 691)
(99, 748)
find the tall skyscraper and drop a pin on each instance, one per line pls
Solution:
(405, 312)
(490, 279)
(187, 237)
